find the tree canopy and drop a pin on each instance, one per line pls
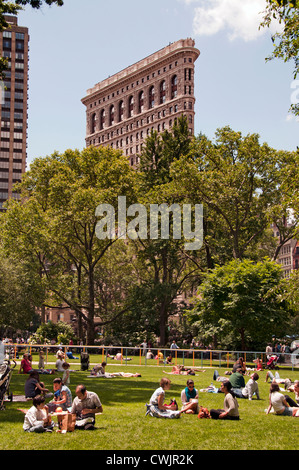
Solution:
(286, 42)
(239, 304)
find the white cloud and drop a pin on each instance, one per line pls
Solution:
(239, 18)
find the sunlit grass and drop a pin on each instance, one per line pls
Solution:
(124, 426)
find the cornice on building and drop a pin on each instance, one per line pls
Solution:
(150, 62)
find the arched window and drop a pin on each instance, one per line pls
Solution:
(93, 123)
(174, 87)
(102, 119)
(151, 97)
(111, 116)
(141, 102)
(121, 108)
(162, 92)
(131, 106)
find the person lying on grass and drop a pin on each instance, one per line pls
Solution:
(183, 370)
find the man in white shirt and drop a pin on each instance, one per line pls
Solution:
(250, 388)
(85, 406)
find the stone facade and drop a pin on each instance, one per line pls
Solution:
(122, 110)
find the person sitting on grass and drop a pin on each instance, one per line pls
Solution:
(240, 366)
(231, 406)
(189, 397)
(250, 388)
(26, 365)
(85, 406)
(63, 396)
(37, 418)
(237, 379)
(169, 359)
(293, 388)
(99, 369)
(279, 403)
(157, 408)
(259, 363)
(34, 387)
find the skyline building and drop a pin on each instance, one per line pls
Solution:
(149, 95)
(14, 45)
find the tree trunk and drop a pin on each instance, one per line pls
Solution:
(91, 310)
(243, 343)
(163, 324)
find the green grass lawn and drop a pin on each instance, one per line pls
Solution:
(124, 426)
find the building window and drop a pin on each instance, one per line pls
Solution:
(151, 97)
(7, 44)
(141, 102)
(188, 74)
(131, 106)
(162, 92)
(93, 123)
(121, 111)
(102, 119)
(174, 87)
(111, 116)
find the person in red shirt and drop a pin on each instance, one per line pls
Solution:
(26, 365)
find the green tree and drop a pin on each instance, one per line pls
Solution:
(169, 268)
(55, 225)
(237, 180)
(286, 43)
(52, 331)
(241, 302)
(19, 292)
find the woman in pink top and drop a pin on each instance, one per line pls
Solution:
(26, 365)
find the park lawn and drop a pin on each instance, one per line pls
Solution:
(124, 426)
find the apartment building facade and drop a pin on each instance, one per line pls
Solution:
(14, 45)
(288, 256)
(149, 95)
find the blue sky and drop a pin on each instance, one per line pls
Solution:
(75, 46)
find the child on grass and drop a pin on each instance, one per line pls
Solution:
(37, 418)
(66, 374)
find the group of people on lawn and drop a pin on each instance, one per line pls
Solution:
(87, 404)
(38, 419)
(233, 387)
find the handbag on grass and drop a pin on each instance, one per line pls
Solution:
(204, 413)
(67, 422)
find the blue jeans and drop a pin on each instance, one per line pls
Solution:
(288, 411)
(238, 392)
(40, 428)
(272, 376)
